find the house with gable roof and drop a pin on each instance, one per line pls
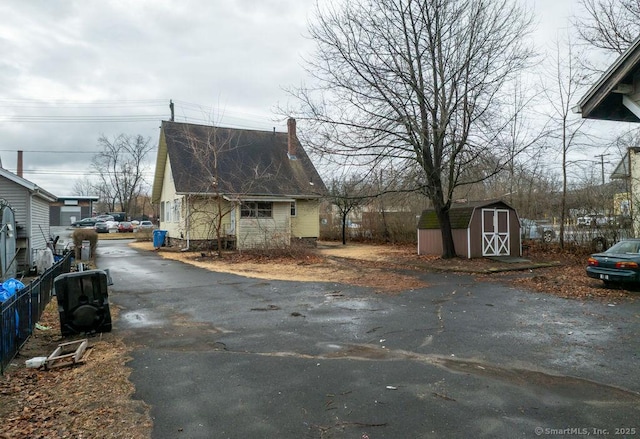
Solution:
(30, 204)
(240, 188)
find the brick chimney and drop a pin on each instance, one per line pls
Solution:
(19, 171)
(292, 138)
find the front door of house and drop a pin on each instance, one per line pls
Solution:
(495, 232)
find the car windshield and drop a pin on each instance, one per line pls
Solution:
(625, 247)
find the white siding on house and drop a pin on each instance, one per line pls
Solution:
(39, 223)
(170, 221)
(39, 228)
(266, 232)
(306, 223)
(18, 198)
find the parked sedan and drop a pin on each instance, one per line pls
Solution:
(145, 225)
(125, 227)
(85, 222)
(102, 227)
(619, 264)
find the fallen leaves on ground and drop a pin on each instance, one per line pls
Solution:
(88, 400)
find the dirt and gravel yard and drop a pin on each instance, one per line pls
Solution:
(93, 400)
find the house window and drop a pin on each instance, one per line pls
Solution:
(293, 208)
(177, 206)
(256, 209)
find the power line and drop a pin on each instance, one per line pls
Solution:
(186, 112)
(82, 119)
(116, 103)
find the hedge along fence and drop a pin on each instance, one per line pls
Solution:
(23, 310)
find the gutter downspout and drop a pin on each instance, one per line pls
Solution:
(31, 232)
(186, 224)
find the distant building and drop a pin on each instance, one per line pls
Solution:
(65, 210)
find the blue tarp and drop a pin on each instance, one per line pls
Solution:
(9, 287)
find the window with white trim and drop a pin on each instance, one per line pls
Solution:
(256, 209)
(177, 206)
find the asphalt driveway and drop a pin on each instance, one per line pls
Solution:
(223, 356)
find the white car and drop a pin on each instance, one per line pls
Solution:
(592, 220)
(145, 225)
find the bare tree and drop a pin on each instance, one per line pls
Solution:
(347, 193)
(611, 25)
(120, 168)
(414, 81)
(566, 77)
(208, 209)
(84, 187)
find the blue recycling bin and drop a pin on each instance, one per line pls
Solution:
(159, 237)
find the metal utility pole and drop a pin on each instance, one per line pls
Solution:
(602, 164)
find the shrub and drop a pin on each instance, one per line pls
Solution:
(143, 235)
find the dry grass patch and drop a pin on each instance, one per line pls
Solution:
(355, 265)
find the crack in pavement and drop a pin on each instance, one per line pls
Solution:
(568, 386)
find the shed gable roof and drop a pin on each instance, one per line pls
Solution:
(215, 160)
(459, 214)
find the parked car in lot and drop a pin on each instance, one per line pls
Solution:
(617, 265)
(125, 227)
(102, 227)
(531, 229)
(105, 217)
(85, 222)
(145, 225)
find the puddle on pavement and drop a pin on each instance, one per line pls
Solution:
(140, 319)
(350, 303)
(177, 332)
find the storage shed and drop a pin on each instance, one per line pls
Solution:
(479, 228)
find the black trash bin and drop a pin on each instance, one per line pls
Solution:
(83, 302)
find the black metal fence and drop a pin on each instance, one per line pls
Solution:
(23, 310)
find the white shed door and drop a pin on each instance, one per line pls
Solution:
(495, 232)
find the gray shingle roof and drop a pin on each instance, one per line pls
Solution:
(240, 162)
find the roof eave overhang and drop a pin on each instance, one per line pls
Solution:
(610, 82)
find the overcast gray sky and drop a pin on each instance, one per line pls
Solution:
(73, 70)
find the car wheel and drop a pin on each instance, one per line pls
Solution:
(547, 236)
